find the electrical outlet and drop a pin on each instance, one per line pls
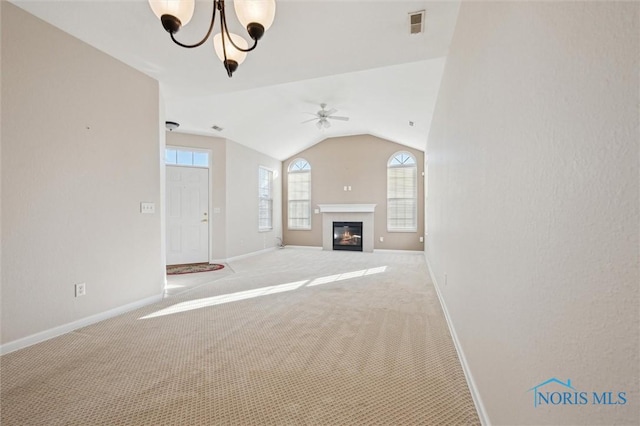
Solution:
(422, 239)
(81, 289)
(382, 239)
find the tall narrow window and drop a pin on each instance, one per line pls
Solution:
(402, 193)
(265, 199)
(299, 194)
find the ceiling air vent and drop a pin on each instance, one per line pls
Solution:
(217, 128)
(416, 22)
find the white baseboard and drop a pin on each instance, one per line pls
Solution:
(303, 247)
(374, 250)
(83, 322)
(398, 251)
(253, 253)
(475, 395)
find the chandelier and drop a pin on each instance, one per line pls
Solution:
(255, 15)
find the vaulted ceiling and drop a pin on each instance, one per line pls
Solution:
(356, 56)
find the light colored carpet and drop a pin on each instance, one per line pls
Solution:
(292, 336)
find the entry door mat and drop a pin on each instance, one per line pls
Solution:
(192, 268)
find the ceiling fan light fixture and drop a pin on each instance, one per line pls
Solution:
(324, 115)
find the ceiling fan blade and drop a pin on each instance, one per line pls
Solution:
(331, 111)
(326, 124)
(337, 117)
(309, 120)
(319, 124)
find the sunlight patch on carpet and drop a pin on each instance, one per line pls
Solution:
(263, 291)
(225, 298)
(347, 275)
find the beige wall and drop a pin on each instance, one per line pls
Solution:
(533, 204)
(1, 237)
(80, 151)
(242, 201)
(234, 196)
(359, 162)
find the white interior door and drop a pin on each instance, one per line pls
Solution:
(187, 215)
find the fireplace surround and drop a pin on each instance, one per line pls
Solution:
(348, 213)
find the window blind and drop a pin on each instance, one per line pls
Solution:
(402, 197)
(265, 199)
(299, 196)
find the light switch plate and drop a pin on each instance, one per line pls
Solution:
(147, 208)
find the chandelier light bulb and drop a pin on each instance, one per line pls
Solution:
(251, 12)
(180, 9)
(233, 54)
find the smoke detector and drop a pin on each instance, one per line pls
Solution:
(416, 22)
(217, 128)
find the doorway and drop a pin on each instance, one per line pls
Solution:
(187, 208)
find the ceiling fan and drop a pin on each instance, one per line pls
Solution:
(324, 115)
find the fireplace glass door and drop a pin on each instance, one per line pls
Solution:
(347, 236)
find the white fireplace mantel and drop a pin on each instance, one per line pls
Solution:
(347, 208)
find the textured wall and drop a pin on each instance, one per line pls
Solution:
(242, 201)
(80, 145)
(359, 162)
(533, 204)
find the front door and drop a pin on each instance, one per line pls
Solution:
(187, 215)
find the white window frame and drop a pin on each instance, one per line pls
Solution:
(404, 160)
(262, 199)
(190, 150)
(297, 167)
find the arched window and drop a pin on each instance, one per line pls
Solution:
(299, 194)
(402, 193)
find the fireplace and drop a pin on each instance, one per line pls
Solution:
(347, 236)
(362, 214)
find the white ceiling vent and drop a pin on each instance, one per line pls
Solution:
(416, 22)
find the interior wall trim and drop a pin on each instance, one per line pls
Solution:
(292, 246)
(475, 394)
(74, 325)
(244, 256)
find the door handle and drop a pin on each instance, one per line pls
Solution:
(204, 220)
